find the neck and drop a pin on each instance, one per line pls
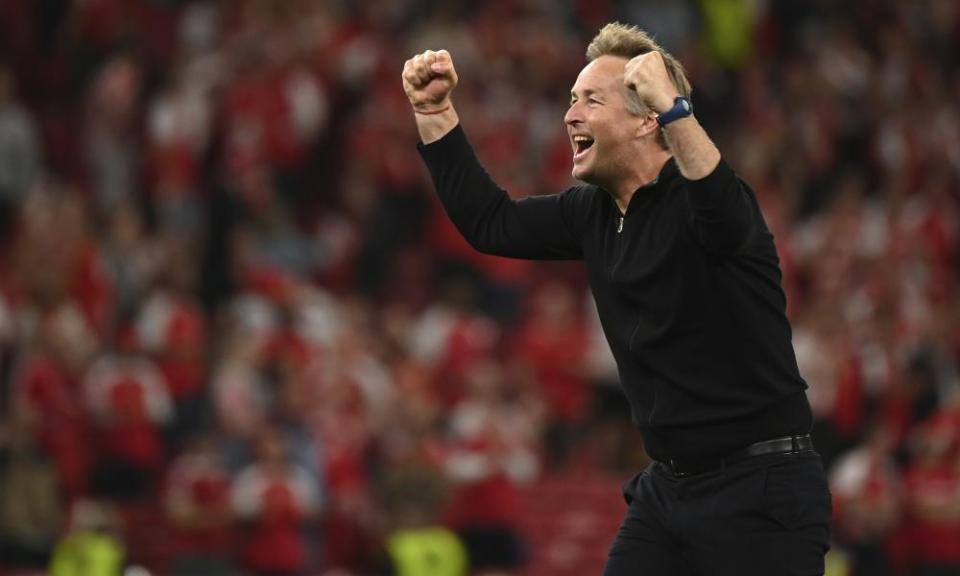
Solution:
(644, 171)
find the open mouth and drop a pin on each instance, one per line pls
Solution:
(582, 144)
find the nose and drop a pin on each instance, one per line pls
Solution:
(573, 115)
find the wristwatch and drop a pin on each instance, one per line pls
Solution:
(681, 109)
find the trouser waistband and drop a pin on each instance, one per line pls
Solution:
(786, 445)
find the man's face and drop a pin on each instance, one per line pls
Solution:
(603, 133)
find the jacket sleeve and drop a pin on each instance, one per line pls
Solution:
(539, 227)
(724, 210)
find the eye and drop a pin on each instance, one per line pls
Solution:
(593, 102)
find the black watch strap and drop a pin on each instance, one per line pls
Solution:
(681, 109)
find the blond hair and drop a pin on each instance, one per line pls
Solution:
(625, 41)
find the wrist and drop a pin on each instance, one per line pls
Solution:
(432, 112)
(434, 124)
(432, 109)
(681, 108)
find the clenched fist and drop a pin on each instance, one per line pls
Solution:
(647, 75)
(428, 80)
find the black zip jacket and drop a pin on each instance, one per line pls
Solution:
(687, 285)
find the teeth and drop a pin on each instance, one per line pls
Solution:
(582, 139)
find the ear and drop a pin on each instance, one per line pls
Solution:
(647, 125)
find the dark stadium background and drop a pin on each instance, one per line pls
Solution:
(238, 334)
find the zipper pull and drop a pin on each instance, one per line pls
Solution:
(620, 225)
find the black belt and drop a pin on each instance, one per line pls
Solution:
(683, 467)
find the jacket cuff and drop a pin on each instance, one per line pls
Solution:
(709, 191)
(451, 144)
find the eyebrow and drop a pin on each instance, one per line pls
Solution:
(587, 92)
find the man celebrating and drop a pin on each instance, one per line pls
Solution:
(686, 279)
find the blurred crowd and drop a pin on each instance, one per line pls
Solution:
(238, 333)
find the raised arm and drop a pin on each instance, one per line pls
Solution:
(544, 227)
(695, 153)
(725, 212)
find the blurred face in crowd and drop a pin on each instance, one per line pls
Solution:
(605, 136)
(271, 448)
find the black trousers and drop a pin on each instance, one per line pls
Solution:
(767, 515)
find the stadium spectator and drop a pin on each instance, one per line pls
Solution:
(197, 505)
(30, 493)
(492, 451)
(415, 542)
(866, 488)
(933, 497)
(552, 343)
(91, 547)
(20, 150)
(129, 405)
(275, 499)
